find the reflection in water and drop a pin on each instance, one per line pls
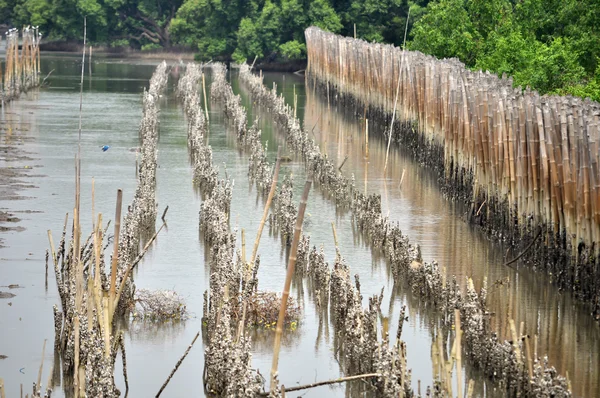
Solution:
(565, 331)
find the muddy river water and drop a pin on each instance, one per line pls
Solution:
(38, 142)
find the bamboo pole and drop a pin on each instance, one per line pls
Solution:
(115, 259)
(250, 265)
(205, 101)
(288, 281)
(387, 152)
(367, 138)
(458, 338)
(267, 206)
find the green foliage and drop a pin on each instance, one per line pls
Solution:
(151, 46)
(119, 43)
(293, 50)
(447, 31)
(249, 41)
(550, 45)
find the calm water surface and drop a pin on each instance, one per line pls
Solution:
(45, 125)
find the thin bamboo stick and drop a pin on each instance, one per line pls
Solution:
(115, 258)
(288, 281)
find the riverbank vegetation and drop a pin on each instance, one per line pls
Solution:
(552, 46)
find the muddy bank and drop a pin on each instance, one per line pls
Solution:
(16, 166)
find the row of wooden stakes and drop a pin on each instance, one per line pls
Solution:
(21, 68)
(539, 154)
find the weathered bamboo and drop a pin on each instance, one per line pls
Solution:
(533, 159)
(288, 282)
(21, 72)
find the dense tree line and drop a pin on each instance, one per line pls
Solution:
(550, 45)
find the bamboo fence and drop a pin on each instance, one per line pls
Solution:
(532, 160)
(21, 68)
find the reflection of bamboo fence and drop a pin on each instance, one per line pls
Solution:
(564, 331)
(22, 70)
(533, 160)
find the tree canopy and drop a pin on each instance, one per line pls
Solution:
(550, 45)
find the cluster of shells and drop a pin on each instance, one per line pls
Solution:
(140, 219)
(260, 172)
(205, 174)
(502, 361)
(359, 331)
(227, 369)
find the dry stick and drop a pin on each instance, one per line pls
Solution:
(402, 179)
(252, 66)
(243, 246)
(261, 226)
(288, 281)
(113, 273)
(367, 138)
(205, 102)
(458, 353)
(81, 85)
(105, 329)
(529, 362)
(124, 357)
(343, 163)
(47, 76)
(471, 388)
(327, 382)
(397, 92)
(77, 384)
(39, 379)
(177, 366)
(2, 392)
(335, 239)
(526, 249)
(164, 214)
(267, 205)
(481, 207)
(134, 263)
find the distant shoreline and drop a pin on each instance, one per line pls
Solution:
(173, 53)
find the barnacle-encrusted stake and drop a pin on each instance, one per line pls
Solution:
(250, 266)
(139, 221)
(227, 360)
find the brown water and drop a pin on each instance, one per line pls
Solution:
(45, 124)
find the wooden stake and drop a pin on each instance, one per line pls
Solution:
(458, 353)
(367, 138)
(39, 379)
(267, 205)
(335, 239)
(396, 98)
(205, 101)
(112, 304)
